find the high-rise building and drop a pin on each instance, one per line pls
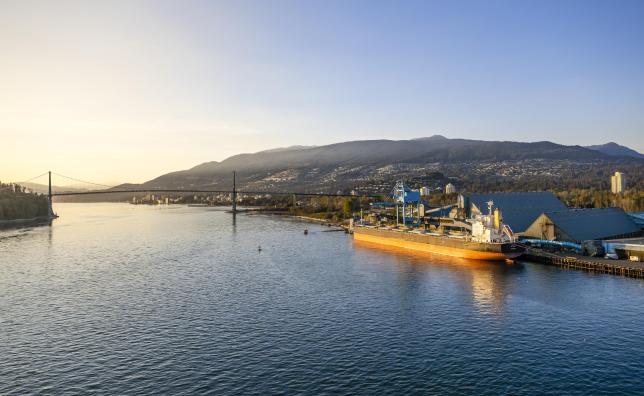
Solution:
(424, 191)
(617, 183)
(450, 188)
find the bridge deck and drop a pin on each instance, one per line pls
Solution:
(134, 191)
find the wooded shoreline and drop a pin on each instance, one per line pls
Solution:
(19, 223)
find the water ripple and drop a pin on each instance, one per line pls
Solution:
(116, 299)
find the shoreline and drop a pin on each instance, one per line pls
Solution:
(34, 221)
(326, 222)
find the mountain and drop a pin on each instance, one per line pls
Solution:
(615, 149)
(44, 189)
(381, 153)
(370, 165)
(279, 149)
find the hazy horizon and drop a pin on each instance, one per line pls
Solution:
(62, 182)
(128, 90)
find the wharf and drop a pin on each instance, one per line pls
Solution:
(627, 268)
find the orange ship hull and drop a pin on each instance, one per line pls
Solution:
(438, 245)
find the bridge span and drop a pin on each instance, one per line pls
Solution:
(234, 192)
(150, 190)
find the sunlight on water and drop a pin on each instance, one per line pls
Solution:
(124, 299)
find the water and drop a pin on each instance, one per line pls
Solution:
(123, 299)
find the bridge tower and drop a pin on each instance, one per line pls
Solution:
(234, 193)
(49, 198)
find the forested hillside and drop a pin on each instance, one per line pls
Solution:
(17, 203)
(373, 165)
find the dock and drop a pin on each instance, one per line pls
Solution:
(631, 269)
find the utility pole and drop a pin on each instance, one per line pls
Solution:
(234, 193)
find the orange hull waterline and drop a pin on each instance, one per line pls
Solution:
(438, 245)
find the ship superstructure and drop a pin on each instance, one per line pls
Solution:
(489, 228)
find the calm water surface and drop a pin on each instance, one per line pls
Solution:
(123, 299)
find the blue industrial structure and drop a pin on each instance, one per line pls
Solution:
(545, 242)
(406, 199)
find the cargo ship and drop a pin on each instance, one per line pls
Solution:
(489, 239)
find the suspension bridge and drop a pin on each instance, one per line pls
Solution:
(233, 192)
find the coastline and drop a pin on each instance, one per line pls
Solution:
(34, 221)
(310, 219)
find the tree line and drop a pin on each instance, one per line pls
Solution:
(16, 202)
(630, 201)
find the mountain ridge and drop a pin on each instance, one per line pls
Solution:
(614, 149)
(363, 162)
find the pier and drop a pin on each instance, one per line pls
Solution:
(631, 269)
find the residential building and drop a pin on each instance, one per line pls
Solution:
(618, 183)
(450, 188)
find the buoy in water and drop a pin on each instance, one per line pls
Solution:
(306, 231)
(259, 248)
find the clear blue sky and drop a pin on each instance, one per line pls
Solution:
(138, 88)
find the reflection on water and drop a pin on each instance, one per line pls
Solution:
(489, 282)
(125, 299)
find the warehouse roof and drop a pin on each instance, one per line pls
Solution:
(638, 219)
(585, 224)
(519, 209)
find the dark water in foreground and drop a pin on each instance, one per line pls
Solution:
(128, 300)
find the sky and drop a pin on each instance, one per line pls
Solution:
(126, 90)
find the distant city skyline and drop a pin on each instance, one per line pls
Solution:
(128, 90)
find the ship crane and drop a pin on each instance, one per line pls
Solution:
(490, 204)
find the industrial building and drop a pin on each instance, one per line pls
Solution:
(519, 209)
(617, 183)
(578, 225)
(638, 219)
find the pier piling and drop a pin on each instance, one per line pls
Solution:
(589, 264)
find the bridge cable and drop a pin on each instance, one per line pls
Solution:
(81, 181)
(33, 178)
